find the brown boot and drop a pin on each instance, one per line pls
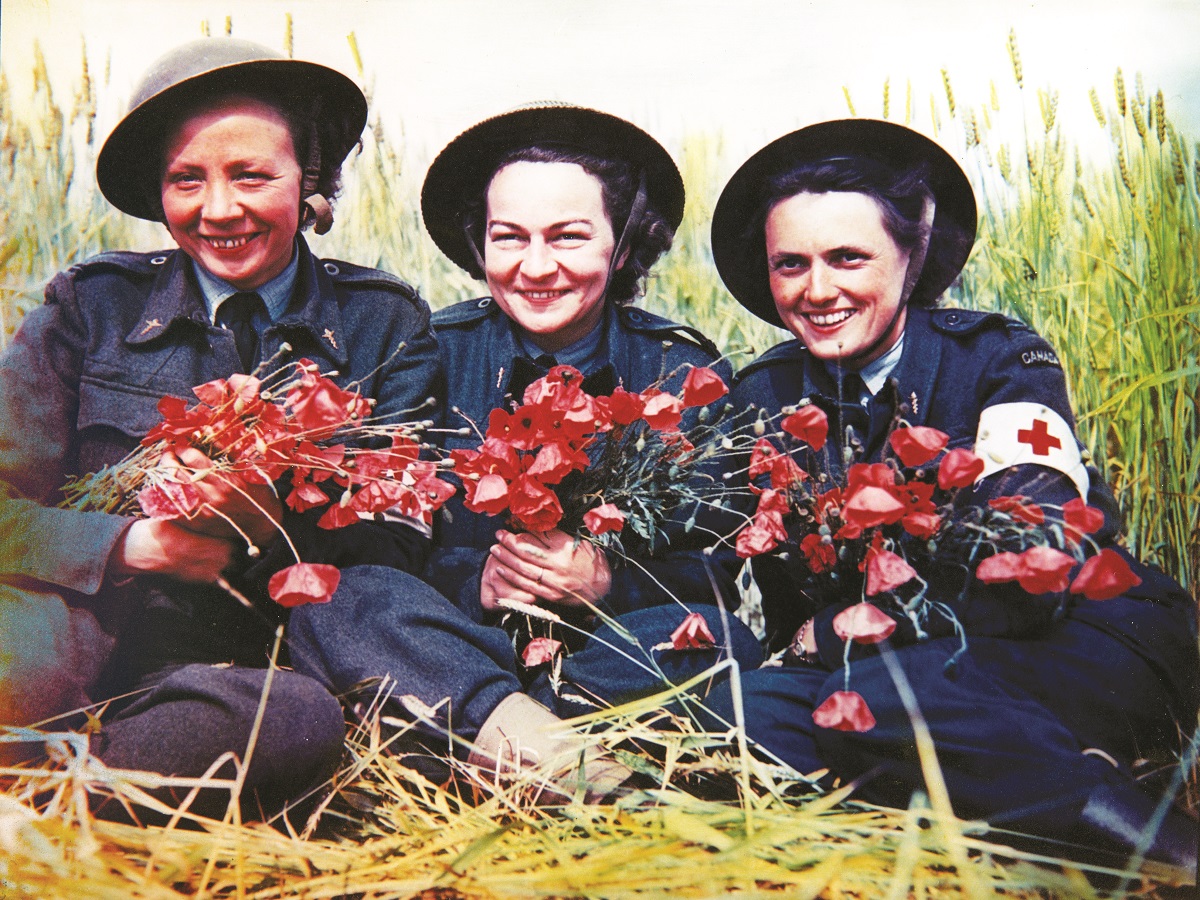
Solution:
(521, 738)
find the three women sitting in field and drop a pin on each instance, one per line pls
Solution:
(844, 233)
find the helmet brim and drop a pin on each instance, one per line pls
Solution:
(460, 173)
(737, 245)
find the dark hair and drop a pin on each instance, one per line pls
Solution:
(648, 239)
(313, 135)
(900, 195)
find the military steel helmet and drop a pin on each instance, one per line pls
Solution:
(738, 241)
(128, 168)
(460, 173)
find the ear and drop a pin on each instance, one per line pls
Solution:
(624, 258)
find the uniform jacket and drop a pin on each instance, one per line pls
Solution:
(485, 370)
(956, 363)
(79, 388)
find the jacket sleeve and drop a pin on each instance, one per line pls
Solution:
(960, 604)
(39, 401)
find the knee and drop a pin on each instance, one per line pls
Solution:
(303, 731)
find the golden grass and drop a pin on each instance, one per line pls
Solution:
(390, 833)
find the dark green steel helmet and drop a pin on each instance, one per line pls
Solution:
(129, 166)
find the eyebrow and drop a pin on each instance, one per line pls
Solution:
(567, 223)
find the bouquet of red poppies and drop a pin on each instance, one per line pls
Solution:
(882, 534)
(598, 467)
(302, 426)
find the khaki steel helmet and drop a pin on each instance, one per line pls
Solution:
(128, 169)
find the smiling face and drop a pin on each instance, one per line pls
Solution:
(836, 275)
(231, 191)
(546, 249)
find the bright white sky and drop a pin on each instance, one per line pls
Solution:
(749, 70)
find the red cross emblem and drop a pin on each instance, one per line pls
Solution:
(1037, 437)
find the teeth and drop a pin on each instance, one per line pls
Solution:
(543, 295)
(228, 243)
(827, 319)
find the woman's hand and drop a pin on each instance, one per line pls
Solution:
(225, 497)
(158, 547)
(548, 568)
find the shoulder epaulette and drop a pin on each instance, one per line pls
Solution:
(788, 352)
(349, 273)
(642, 320)
(123, 261)
(969, 321)
(464, 312)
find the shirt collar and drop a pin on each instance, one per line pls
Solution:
(875, 374)
(586, 354)
(276, 293)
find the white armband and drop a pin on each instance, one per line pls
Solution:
(1018, 434)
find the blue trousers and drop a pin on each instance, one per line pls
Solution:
(1010, 719)
(386, 622)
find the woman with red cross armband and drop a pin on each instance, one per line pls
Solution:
(1043, 704)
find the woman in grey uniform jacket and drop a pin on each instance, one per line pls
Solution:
(235, 149)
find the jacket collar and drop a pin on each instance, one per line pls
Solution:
(914, 376)
(175, 301)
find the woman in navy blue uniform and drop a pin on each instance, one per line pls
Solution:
(846, 233)
(562, 210)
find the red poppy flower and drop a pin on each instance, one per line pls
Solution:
(879, 475)
(533, 506)
(488, 495)
(662, 412)
(337, 516)
(887, 571)
(959, 469)
(918, 444)
(819, 553)
(1020, 508)
(1080, 519)
(623, 408)
(692, 634)
(305, 496)
(702, 386)
(1000, 567)
(1039, 570)
(555, 461)
(810, 424)
(1046, 570)
(241, 391)
(844, 711)
(378, 496)
(761, 536)
(525, 428)
(318, 463)
(863, 623)
(169, 500)
(319, 407)
(870, 506)
(539, 651)
(604, 518)
(304, 583)
(923, 525)
(1104, 576)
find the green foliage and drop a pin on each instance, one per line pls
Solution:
(1099, 255)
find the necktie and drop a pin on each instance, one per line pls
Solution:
(237, 315)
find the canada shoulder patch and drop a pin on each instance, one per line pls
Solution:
(1040, 356)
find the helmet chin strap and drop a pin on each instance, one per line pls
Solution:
(916, 263)
(632, 222)
(316, 206)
